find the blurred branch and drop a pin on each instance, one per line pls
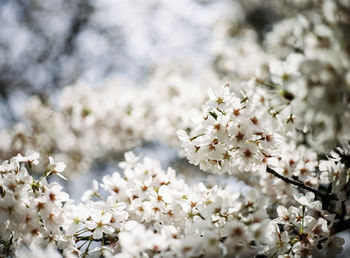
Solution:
(341, 226)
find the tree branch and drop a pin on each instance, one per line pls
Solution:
(341, 226)
(298, 184)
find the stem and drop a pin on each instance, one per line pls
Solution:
(8, 246)
(82, 245)
(267, 83)
(82, 238)
(194, 137)
(298, 184)
(44, 175)
(302, 221)
(29, 168)
(81, 231)
(87, 248)
(99, 196)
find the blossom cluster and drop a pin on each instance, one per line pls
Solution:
(32, 211)
(295, 161)
(163, 214)
(232, 135)
(151, 211)
(148, 211)
(248, 134)
(305, 230)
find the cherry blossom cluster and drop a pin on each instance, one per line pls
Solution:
(150, 211)
(232, 134)
(32, 212)
(303, 231)
(251, 133)
(145, 205)
(295, 161)
(335, 174)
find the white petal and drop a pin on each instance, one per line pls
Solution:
(282, 211)
(310, 196)
(107, 229)
(182, 135)
(90, 224)
(106, 218)
(97, 233)
(95, 185)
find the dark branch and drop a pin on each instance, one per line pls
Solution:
(341, 226)
(298, 184)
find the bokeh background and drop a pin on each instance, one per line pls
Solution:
(47, 45)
